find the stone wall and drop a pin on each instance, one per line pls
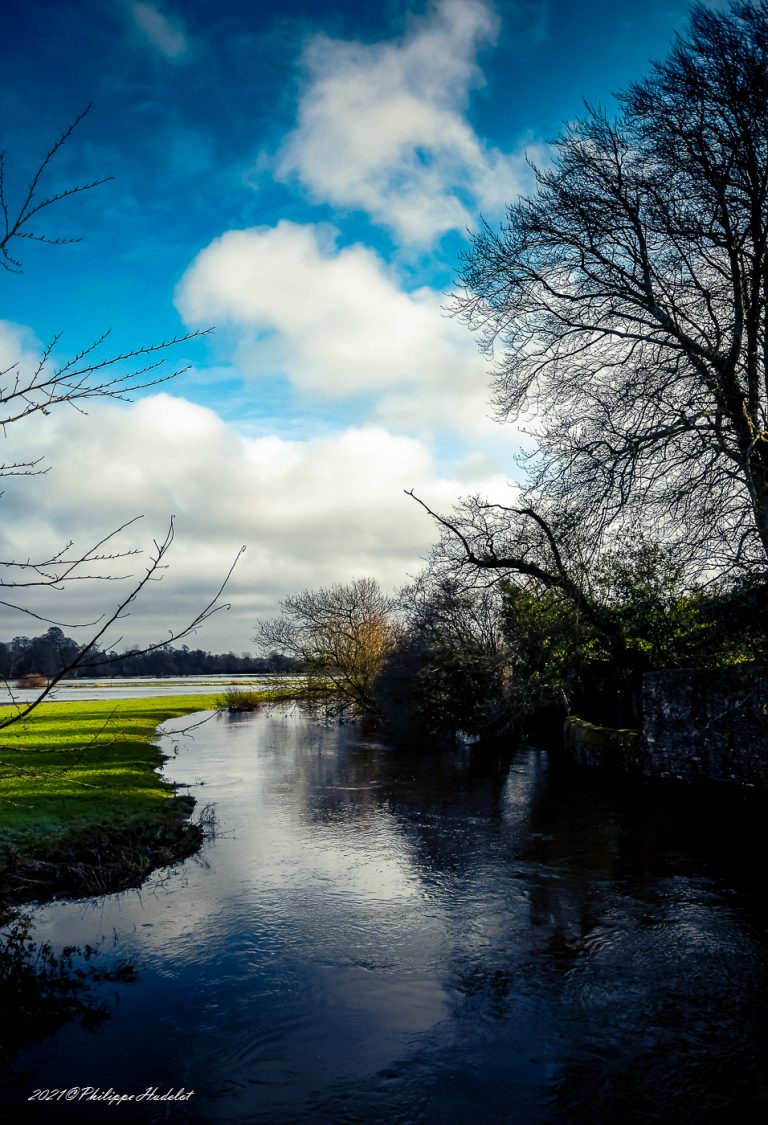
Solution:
(708, 724)
(699, 726)
(621, 752)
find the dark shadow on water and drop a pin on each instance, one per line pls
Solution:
(42, 988)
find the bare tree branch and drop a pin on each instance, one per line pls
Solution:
(624, 304)
(51, 382)
(152, 573)
(15, 222)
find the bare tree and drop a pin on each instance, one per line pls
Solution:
(625, 303)
(53, 383)
(542, 548)
(341, 635)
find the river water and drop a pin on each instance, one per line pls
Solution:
(395, 937)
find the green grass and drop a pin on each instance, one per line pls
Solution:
(69, 765)
(82, 806)
(83, 809)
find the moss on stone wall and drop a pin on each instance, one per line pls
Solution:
(618, 751)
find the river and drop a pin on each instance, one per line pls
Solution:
(395, 937)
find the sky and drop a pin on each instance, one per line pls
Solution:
(302, 177)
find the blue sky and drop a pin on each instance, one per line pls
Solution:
(300, 175)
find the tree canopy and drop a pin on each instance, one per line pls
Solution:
(624, 304)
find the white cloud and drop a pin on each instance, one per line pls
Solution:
(336, 323)
(19, 357)
(18, 348)
(381, 127)
(311, 512)
(164, 33)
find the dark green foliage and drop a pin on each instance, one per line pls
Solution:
(659, 621)
(649, 620)
(552, 646)
(518, 655)
(449, 671)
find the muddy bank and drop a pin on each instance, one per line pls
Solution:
(99, 859)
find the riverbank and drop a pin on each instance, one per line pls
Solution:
(83, 809)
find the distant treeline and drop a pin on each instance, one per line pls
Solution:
(47, 654)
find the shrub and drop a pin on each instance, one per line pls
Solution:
(238, 699)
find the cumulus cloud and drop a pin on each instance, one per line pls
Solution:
(381, 127)
(165, 34)
(311, 512)
(338, 325)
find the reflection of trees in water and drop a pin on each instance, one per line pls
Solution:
(445, 804)
(608, 931)
(638, 946)
(667, 1013)
(41, 989)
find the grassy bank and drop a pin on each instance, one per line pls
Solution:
(83, 809)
